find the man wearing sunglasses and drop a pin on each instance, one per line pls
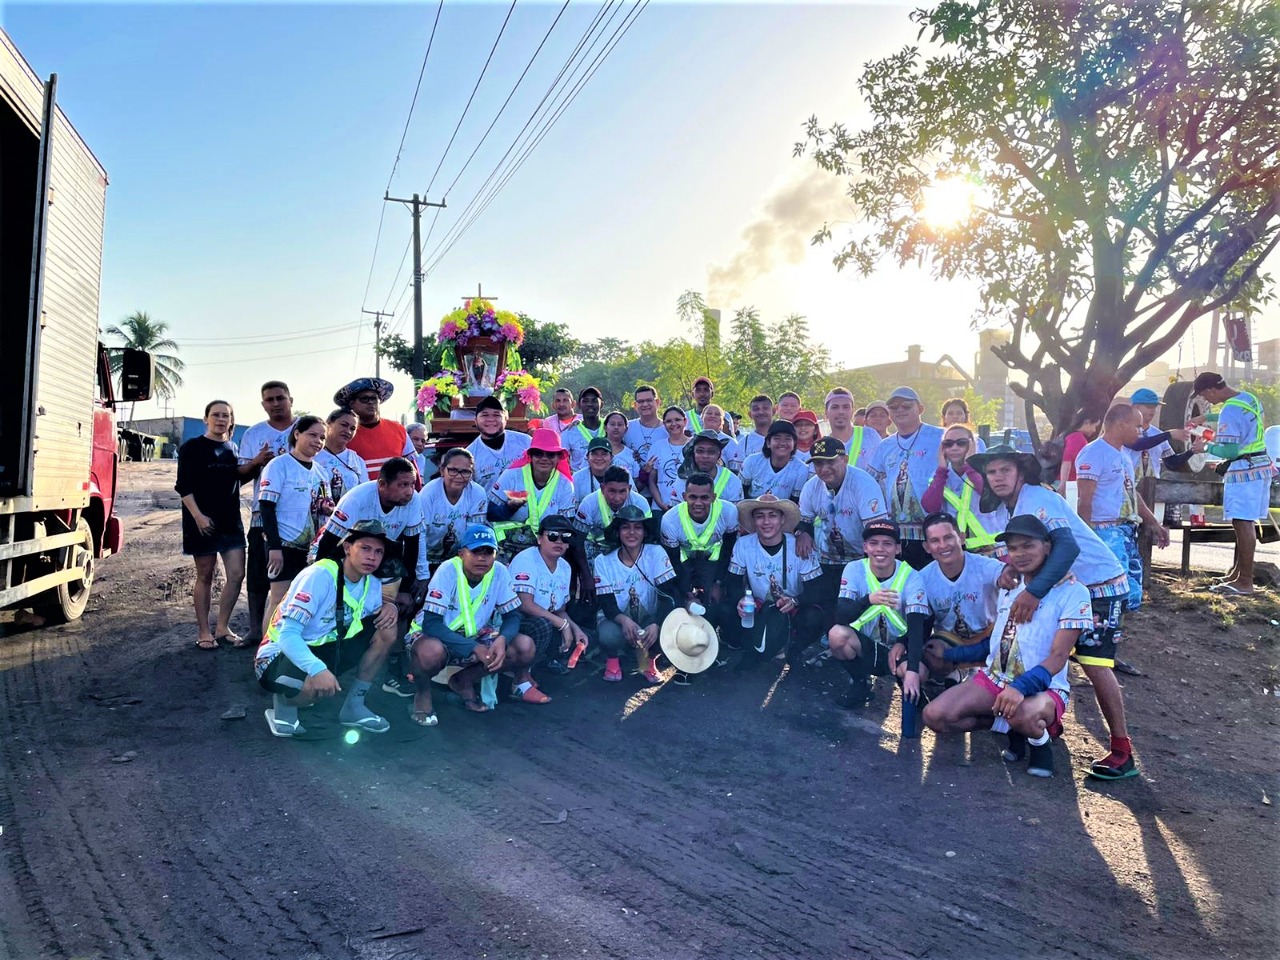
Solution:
(377, 440)
(903, 465)
(543, 582)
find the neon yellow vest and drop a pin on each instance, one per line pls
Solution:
(537, 505)
(976, 536)
(880, 610)
(1258, 444)
(700, 543)
(354, 606)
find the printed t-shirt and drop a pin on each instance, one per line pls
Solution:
(730, 486)
(635, 587)
(666, 472)
(277, 441)
(439, 516)
(362, 503)
(560, 500)
(673, 533)
(490, 463)
(749, 443)
(378, 444)
(641, 438)
(912, 598)
(549, 588)
(1115, 497)
(575, 439)
(296, 488)
(870, 442)
(342, 470)
(764, 570)
(838, 518)
(759, 477)
(445, 588)
(1016, 648)
(1149, 463)
(1239, 425)
(966, 605)
(904, 467)
(312, 602)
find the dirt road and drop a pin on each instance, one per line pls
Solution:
(741, 817)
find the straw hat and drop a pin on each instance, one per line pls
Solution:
(689, 641)
(747, 509)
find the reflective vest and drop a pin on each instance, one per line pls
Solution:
(695, 421)
(354, 607)
(700, 542)
(1258, 444)
(976, 536)
(537, 505)
(587, 434)
(879, 609)
(467, 605)
(722, 481)
(855, 445)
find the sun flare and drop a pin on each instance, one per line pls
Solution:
(948, 202)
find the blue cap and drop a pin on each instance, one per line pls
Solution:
(1145, 396)
(479, 535)
(905, 393)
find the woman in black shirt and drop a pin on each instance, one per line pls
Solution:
(209, 483)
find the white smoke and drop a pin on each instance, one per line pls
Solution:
(792, 214)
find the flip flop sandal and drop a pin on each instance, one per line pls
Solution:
(210, 644)
(234, 640)
(422, 718)
(473, 703)
(532, 695)
(1230, 590)
(282, 728)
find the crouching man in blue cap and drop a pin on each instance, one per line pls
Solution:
(332, 619)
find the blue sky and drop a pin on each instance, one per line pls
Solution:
(248, 148)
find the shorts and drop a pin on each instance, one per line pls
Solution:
(1246, 499)
(1060, 699)
(876, 654)
(1122, 540)
(451, 659)
(279, 674)
(1097, 646)
(255, 573)
(295, 561)
(212, 546)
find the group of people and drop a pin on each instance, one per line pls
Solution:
(898, 548)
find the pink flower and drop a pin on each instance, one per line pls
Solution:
(511, 332)
(427, 397)
(449, 330)
(530, 397)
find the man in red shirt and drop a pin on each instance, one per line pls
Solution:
(377, 440)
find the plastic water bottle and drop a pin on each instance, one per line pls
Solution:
(748, 610)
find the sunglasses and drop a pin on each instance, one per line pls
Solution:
(543, 454)
(955, 443)
(559, 536)
(369, 398)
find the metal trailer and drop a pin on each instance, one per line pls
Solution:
(57, 426)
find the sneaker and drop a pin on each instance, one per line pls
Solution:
(1113, 767)
(856, 695)
(282, 728)
(1017, 749)
(398, 686)
(818, 659)
(613, 674)
(1124, 666)
(1041, 762)
(555, 666)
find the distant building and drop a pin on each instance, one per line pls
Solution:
(178, 430)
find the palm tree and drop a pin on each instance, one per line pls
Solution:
(140, 332)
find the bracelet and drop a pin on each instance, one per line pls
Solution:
(563, 623)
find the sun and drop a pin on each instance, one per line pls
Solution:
(948, 202)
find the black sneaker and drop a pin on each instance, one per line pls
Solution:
(1041, 762)
(1017, 749)
(856, 695)
(398, 686)
(1124, 666)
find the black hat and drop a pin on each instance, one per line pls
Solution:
(828, 448)
(554, 521)
(881, 528)
(1024, 525)
(490, 403)
(781, 426)
(1026, 462)
(627, 513)
(1209, 380)
(590, 391)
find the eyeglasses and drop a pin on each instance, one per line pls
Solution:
(900, 407)
(543, 454)
(559, 536)
(455, 472)
(962, 442)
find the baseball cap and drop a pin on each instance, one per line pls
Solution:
(874, 404)
(590, 392)
(478, 535)
(781, 426)
(1145, 396)
(554, 521)
(904, 393)
(706, 380)
(828, 448)
(1024, 525)
(881, 528)
(599, 443)
(490, 403)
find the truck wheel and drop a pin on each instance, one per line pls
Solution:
(1180, 405)
(72, 597)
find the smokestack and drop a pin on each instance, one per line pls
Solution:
(913, 361)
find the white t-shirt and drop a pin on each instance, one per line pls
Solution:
(666, 471)
(748, 443)
(867, 450)
(764, 570)
(730, 486)
(549, 588)
(362, 503)
(1016, 648)
(731, 453)
(838, 518)
(312, 601)
(1149, 463)
(635, 587)
(296, 488)
(489, 463)
(250, 444)
(593, 513)
(641, 438)
(1115, 497)
(904, 467)
(966, 605)
(585, 483)
(575, 439)
(912, 598)
(1096, 566)
(560, 500)
(443, 593)
(439, 516)
(342, 470)
(674, 536)
(759, 477)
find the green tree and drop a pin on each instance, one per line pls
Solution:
(1124, 161)
(1268, 395)
(771, 360)
(140, 332)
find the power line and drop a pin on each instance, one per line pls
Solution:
(483, 71)
(279, 356)
(265, 337)
(414, 102)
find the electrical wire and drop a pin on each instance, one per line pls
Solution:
(266, 337)
(276, 357)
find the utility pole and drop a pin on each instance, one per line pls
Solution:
(377, 339)
(416, 205)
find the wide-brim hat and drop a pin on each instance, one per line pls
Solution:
(689, 641)
(710, 436)
(746, 512)
(364, 529)
(384, 389)
(1027, 462)
(547, 441)
(627, 513)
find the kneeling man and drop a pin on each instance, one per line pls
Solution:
(1023, 688)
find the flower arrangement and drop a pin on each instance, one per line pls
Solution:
(436, 392)
(522, 386)
(478, 318)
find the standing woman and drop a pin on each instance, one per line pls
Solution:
(807, 431)
(1084, 429)
(615, 428)
(667, 454)
(209, 484)
(292, 498)
(342, 467)
(956, 411)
